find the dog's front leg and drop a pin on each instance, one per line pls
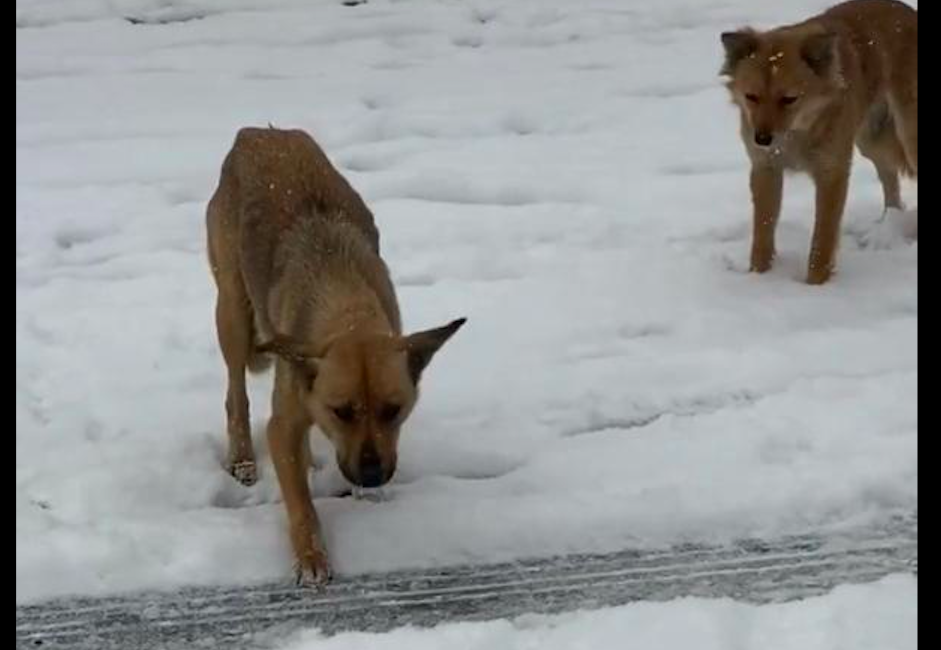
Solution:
(286, 437)
(767, 183)
(832, 185)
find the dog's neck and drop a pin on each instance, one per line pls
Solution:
(345, 309)
(339, 284)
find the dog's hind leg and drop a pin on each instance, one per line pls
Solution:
(879, 142)
(903, 101)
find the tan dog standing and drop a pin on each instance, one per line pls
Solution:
(806, 93)
(295, 256)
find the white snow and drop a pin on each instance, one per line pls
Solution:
(879, 616)
(568, 175)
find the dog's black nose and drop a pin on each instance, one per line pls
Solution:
(370, 474)
(763, 138)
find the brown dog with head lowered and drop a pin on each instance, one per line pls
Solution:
(295, 256)
(806, 93)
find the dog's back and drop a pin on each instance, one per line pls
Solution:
(884, 37)
(277, 194)
(285, 174)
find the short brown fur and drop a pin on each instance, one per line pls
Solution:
(806, 93)
(294, 253)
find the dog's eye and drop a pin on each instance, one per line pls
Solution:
(787, 101)
(389, 412)
(344, 413)
(752, 98)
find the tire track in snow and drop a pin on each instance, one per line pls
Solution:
(753, 570)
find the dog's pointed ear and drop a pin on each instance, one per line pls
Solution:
(737, 46)
(422, 346)
(301, 358)
(819, 52)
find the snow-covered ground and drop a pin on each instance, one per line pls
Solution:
(878, 616)
(567, 175)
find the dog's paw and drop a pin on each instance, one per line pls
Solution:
(313, 571)
(760, 265)
(244, 471)
(761, 260)
(817, 277)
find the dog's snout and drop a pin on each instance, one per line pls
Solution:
(370, 473)
(763, 138)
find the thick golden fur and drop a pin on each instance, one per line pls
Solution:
(807, 92)
(294, 253)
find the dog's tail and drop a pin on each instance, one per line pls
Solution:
(258, 361)
(905, 167)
